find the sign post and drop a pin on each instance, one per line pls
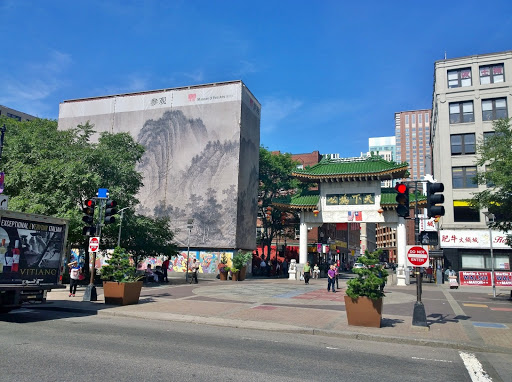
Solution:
(418, 257)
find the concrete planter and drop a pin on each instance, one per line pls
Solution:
(121, 293)
(363, 311)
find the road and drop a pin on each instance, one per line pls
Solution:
(47, 345)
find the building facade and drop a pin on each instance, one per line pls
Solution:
(412, 129)
(15, 114)
(469, 94)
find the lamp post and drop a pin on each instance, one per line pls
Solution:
(490, 219)
(120, 224)
(189, 226)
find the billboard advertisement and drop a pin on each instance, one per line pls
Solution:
(30, 250)
(201, 159)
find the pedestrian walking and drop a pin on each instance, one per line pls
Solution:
(307, 272)
(429, 273)
(165, 267)
(336, 270)
(74, 274)
(195, 270)
(331, 275)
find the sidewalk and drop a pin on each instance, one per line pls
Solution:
(293, 307)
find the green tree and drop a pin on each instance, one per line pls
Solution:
(275, 180)
(495, 164)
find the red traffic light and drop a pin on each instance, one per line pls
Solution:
(90, 203)
(401, 188)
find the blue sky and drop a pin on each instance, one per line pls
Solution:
(329, 74)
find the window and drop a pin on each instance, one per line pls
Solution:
(419, 119)
(459, 78)
(462, 144)
(494, 109)
(406, 120)
(462, 212)
(300, 167)
(461, 112)
(475, 261)
(414, 119)
(491, 74)
(426, 118)
(464, 177)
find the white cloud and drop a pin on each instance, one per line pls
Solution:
(275, 110)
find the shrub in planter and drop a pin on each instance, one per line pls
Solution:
(363, 301)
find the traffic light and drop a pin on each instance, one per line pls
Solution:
(402, 198)
(434, 197)
(109, 211)
(88, 218)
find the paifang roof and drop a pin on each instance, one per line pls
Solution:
(309, 200)
(354, 169)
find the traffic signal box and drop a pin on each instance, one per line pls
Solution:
(110, 210)
(434, 197)
(402, 198)
(88, 218)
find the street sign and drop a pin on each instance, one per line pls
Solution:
(429, 238)
(94, 244)
(4, 199)
(416, 256)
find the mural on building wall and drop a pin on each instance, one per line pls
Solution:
(208, 261)
(201, 159)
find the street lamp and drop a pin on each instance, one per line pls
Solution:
(490, 219)
(120, 224)
(189, 226)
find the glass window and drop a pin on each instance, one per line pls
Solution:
(464, 177)
(461, 112)
(414, 119)
(406, 120)
(462, 144)
(459, 78)
(464, 213)
(494, 109)
(426, 118)
(491, 74)
(419, 119)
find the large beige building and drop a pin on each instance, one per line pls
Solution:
(469, 94)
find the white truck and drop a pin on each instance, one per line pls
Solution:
(32, 255)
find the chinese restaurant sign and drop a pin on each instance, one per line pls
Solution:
(471, 239)
(350, 199)
(484, 278)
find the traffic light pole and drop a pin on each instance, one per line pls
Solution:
(90, 293)
(419, 316)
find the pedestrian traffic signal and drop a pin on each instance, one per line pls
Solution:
(88, 218)
(109, 211)
(434, 197)
(402, 198)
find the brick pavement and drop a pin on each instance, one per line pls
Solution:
(289, 306)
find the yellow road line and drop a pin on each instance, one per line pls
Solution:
(476, 305)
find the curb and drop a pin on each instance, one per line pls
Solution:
(253, 325)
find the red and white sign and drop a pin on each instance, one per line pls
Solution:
(94, 244)
(416, 256)
(502, 279)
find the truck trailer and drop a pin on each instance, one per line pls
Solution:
(32, 255)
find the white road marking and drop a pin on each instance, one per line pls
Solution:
(328, 347)
(474, 367)
(432, 359)
(17, 311)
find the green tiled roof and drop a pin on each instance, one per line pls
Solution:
(373, 167)
(306, 200)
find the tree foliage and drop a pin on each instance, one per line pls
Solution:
(370, 279)
(275, 180)
(52, 172)
(495, 170)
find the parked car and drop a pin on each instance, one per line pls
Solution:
(358, 266)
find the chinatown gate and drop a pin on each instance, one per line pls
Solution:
(349, 190)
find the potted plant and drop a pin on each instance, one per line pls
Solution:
(121, 285)
(234, 273)
(240, 261)
(363, 302)
(223, 268)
